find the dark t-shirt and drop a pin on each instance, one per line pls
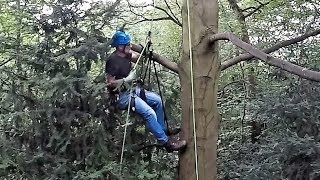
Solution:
(118, 66)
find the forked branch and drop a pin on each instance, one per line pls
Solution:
(248, 56)
(276, 62)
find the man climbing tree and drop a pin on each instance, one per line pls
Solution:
(119, 73)
(199, 72)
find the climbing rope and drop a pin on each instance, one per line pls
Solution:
(147, 71)
(160, 93)
(192, 93)
(130, 95)
(128, 114)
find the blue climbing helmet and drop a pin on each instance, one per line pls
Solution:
(120, 38)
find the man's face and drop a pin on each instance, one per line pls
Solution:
(126, 49)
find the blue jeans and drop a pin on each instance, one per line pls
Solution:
(151, 111)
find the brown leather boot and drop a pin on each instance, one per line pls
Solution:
(175, 145)
(173, 131)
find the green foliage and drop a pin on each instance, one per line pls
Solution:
(281, 118)
(56, 119)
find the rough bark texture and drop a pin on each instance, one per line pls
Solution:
(206, 69)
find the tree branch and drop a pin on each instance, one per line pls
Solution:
(155, 19)
(276, 62)
(178, 5)
(247, 56)
(257, 8)
(160, 59)
(171, 16)
(5, 62)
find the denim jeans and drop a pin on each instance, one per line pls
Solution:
(151, 111)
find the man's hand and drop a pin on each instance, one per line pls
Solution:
(115, 83)
(132, 76)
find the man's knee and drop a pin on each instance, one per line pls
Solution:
(155, 98)
(148, 113)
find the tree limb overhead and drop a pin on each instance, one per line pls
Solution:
(248, 56)
(276, 62)
(160, 59)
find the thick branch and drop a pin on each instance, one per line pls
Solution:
(247, 56)
(160, 59)
(285, 65)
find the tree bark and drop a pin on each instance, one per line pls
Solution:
(206, 71)
(276, 62)
(160, 59)
(245, 38)
(247, 56)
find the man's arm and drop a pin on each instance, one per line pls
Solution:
(135, 56)
(109, 80)
(114, 83)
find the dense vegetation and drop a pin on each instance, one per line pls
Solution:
(56, 121)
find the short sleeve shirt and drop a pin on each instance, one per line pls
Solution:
(118, 66)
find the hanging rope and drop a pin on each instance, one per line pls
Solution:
(192, 93)
(147, 70)
(128, 114)
(130, 95)
(160, 93)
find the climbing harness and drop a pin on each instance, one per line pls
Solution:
(148, 40)
(127, 116)
(148, 69)
(192, 93)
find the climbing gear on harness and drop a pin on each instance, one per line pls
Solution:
(147, 70)
(133, 103)
(120, 38)
(127, 118)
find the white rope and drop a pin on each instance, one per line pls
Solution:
(192, 94)
(130, 95)
(128, 114)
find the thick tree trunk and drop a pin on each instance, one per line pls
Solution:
(206, 71)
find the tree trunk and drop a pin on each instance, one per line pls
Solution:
(245, 37)
(206, 71)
